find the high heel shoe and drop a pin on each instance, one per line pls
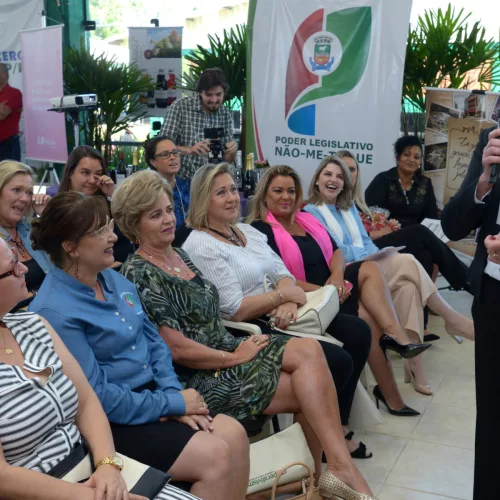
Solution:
(409, 377)
(405, 351)
(331, 486)
(406, 411)
(457, 335)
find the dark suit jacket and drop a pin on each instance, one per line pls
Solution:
(462, 215)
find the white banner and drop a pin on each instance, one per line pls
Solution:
(16, 16)
(158, 52)
(326, 75)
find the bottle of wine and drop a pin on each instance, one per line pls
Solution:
(249, 178)
(121, 173)
(238, 173)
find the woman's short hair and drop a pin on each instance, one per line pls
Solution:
(10, 168)
(69, 216)
(134, 196)
(201, 189)
(258, 209)
(344, 199)
(405, 142)
(150, 148)
(76, 156)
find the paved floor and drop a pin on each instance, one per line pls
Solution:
(429, 457)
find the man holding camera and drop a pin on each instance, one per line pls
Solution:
(187, 119)
(11, 105)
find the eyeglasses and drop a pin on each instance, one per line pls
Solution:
(165, 155)
(16, 270)
(107, 228)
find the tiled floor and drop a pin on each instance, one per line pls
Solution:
(429, 457)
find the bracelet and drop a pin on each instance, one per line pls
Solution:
(281, 295)
(272, 300)
(223, 359)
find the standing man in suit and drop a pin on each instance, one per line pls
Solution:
(477, 205)
(11, 105)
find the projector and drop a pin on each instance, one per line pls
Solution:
(74, 101)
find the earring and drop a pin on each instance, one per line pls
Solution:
(317, 184)
(76, 272)
(137, 240)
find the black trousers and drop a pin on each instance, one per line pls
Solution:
(10, 149)
(487, 358)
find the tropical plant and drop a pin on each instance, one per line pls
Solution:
(441, 51)
(228, 53)
(117, 87)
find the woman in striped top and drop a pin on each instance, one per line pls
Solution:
(45, 409)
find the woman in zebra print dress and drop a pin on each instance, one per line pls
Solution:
(46, 406)
(241, 377)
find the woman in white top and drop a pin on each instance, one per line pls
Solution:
(47, 406)
(235, 259)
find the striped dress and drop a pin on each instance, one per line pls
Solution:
(37, 421)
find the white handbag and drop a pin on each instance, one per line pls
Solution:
(316, 314)
(272, 454)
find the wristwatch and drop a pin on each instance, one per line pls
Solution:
(115, 461)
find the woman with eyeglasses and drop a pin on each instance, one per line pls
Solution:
(99, 316)
(85, 173)
(17, 205)
(163, 156)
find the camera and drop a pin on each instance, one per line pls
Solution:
(215, 135)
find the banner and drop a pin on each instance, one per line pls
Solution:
(157, 52)
(323, 76)
(44, 130)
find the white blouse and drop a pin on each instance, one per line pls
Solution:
(237, 272)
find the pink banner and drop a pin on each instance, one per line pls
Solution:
(45, 131)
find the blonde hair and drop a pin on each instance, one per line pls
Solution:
(344, 199)
(201, 188)
(10, 168)
(357, 193)
(258, 209)
(134, 196)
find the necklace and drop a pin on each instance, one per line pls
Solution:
(176, 271)
(6, 349)
(19, 245)
(233, 238)
(182, 203)
(406, 191)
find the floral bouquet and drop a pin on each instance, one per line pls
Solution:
(380, 217)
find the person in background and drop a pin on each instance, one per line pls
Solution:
(403, 189)
(187, 118)
(11, 106)
(163, 156)
(102, 323)
(48, 406)
(477, 205)
(85, 173)
(17, 204)
(330, 201)
(417, 239)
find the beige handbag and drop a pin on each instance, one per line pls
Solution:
(305, 488)
(316, 314)
(270, 455)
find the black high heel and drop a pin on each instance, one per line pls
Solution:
(405, 351)
(406, 411)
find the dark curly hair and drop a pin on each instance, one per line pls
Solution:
(211, 78)
(150, 148)
(405, 142)
(69, 216)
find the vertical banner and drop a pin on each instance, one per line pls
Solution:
(157, 52)
(324, 76)
(45, 131)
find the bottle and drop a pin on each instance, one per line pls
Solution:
(121, 173)
(249, 178)
(161, 94)
(135, 162)
(171, 87)
(238, 173)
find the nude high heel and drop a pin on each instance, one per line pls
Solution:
(467, 331)
(331, 486)
(409, 377)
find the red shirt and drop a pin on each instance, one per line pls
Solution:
(14, 99)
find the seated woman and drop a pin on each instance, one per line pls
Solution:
(315, 260)
(48, 406)
(17, 204)
(163, 156)
(241, 377)
(101, 321)
(330, 201)
(85, 173)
